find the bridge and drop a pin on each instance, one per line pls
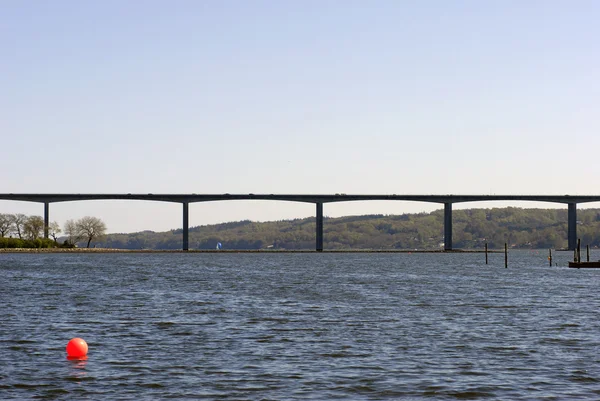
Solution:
(185, 199)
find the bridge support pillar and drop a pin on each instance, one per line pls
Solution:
(572, 226)
(448, 226)
(46, 218)
(319, 247)
(186, 229)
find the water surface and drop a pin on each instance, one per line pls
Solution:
(299, 326)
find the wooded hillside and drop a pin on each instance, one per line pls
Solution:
(472, 228)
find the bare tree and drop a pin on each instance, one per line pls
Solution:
(72, 231)
(54, 230)
(33, 227)
(6, 224)
(90, 228)
(18, 221)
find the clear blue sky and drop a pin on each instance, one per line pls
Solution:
(316, 96)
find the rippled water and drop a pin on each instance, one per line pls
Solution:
(298, 326)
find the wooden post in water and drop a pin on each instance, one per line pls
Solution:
(505, 255)
(486, 254)
(550, 256)
(587, 248)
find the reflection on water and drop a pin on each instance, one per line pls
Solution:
(299, 326)
(77, 366)
(77, 359)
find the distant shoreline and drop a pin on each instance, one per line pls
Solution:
(229, 251)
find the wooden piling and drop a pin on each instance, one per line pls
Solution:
(587, 248)
(486, 254)
(550, 257)
(505, 255)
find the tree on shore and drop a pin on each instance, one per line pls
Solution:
(33, 227)
(18, 221)
(90, 228)
(6, 224)
(30, 230)
(72, 232)
(54, 230)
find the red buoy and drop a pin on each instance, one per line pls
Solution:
(77, 348)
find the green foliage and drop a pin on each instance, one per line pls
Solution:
(472, 228)
(30, 229)
(26, 243)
